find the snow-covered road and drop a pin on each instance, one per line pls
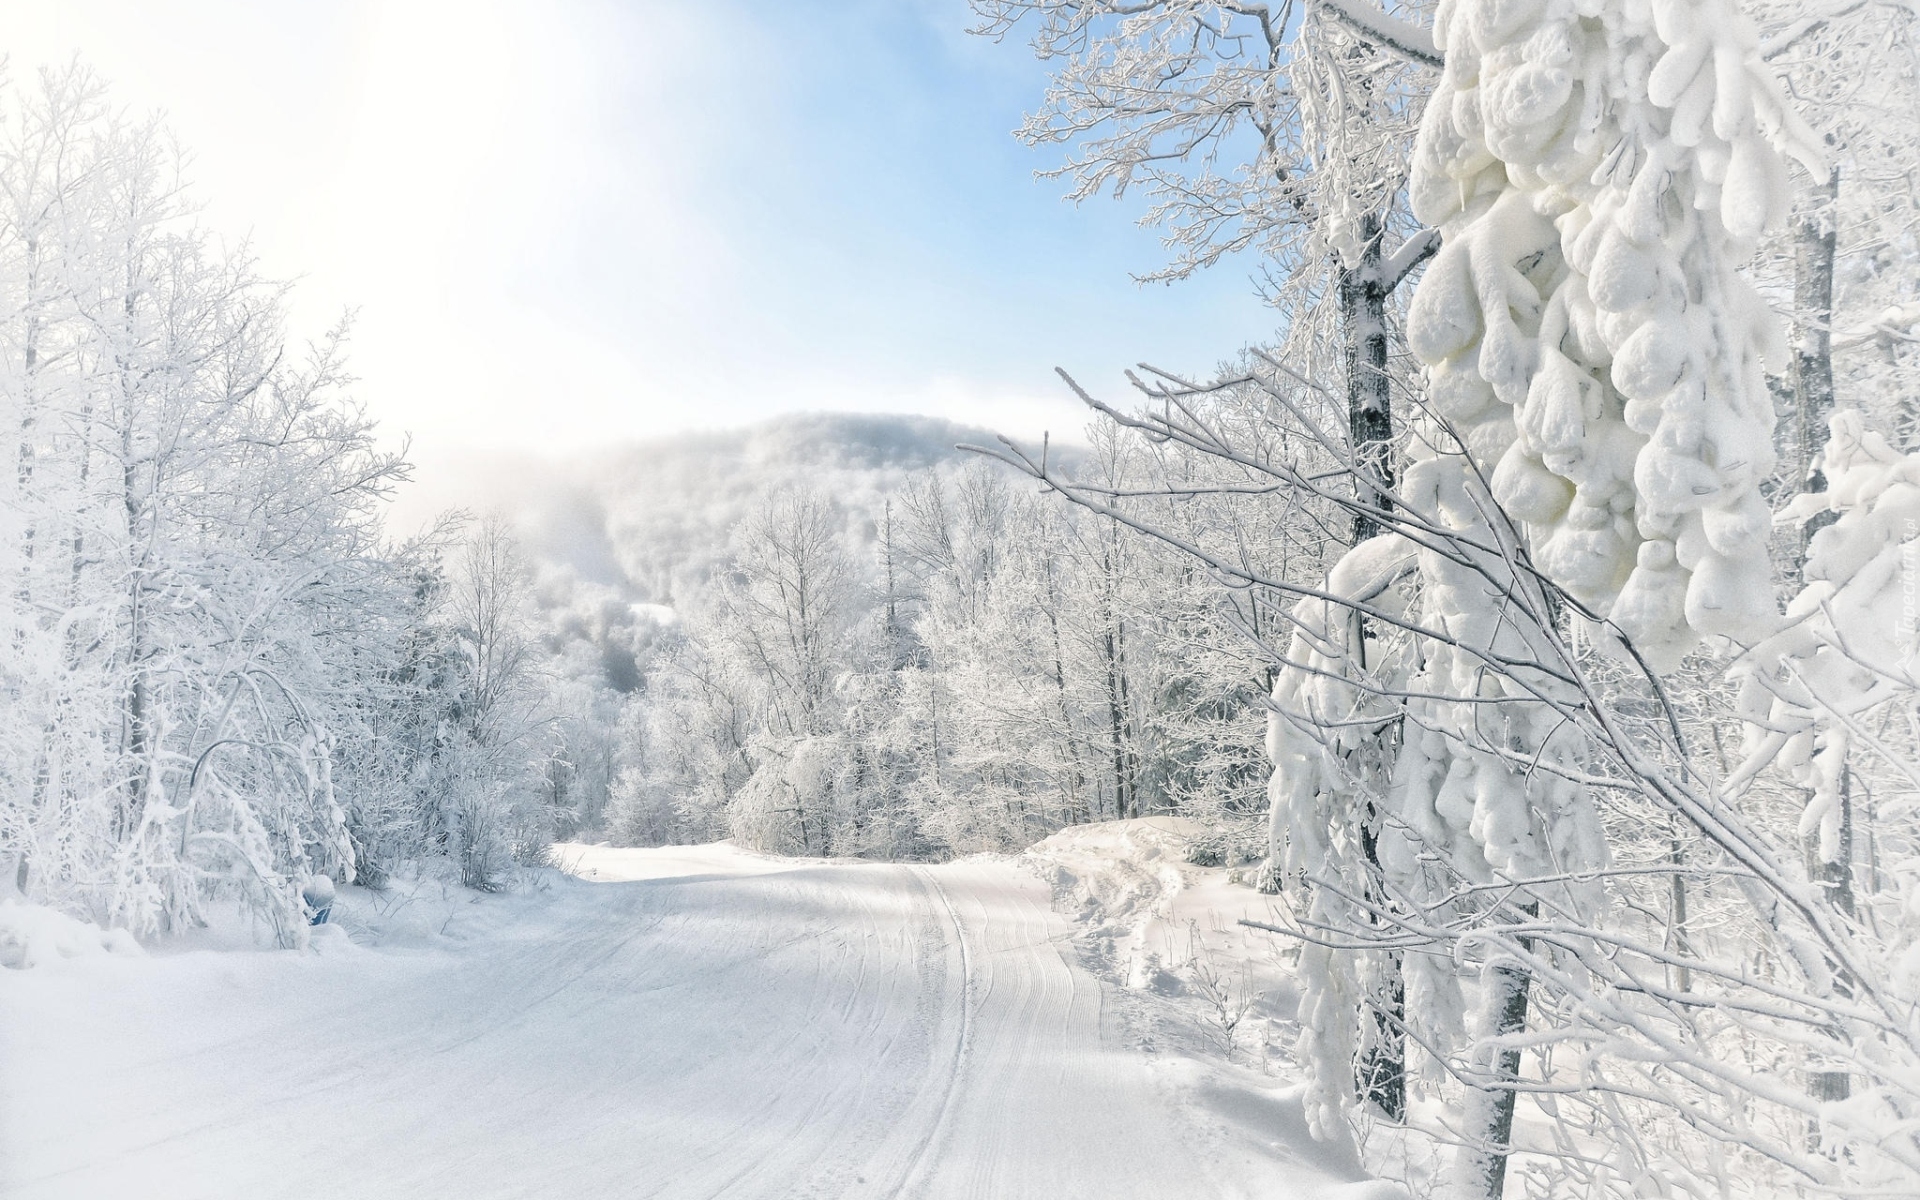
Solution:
(704, 1023)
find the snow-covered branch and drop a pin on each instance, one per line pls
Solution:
(1404, 38)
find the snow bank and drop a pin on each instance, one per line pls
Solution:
(604, 863)
(1147, 913)
(31, 935)
(1214, 1002)
(1151, 920)
(1121, 868)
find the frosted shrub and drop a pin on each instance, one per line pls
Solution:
(765, 815)
(639, 814)
(481, 835)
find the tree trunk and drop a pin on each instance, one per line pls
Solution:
(1116, 733)
(1126, 802)
(1815, 239)
(1678, 943)
(896, 660)
(134, 715)
(1481, 1169)
(1380, 1075)
(1834, 878)
(1075, 812)
(1363, 320)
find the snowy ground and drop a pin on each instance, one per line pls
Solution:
(685, 1022)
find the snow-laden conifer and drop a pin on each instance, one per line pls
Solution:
(1600, 170)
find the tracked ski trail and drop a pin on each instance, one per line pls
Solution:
(919, 1163)
(708, 1024)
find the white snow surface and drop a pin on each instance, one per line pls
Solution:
(680, 1022)
(31, 934)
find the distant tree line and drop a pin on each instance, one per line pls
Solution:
(981, 668)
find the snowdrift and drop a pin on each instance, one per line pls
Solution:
(32, 934)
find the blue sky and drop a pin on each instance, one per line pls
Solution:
(566, 223)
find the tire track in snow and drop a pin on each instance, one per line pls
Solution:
(819, 1091)
(962, 1043)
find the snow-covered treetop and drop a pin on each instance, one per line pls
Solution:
(1600, 169)
(1275, 128)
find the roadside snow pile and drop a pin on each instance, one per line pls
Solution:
(424, 909)
(1153, 920)
(32, 934)
(1121, 879)
(417, 910)
(1212, 1001)
(603, 862)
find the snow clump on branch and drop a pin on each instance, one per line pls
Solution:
(1599, 169)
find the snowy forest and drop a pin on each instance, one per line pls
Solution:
(1530, 630)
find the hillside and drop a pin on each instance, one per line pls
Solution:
(649, 520)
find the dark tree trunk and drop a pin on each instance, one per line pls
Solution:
(1364, 288)
(1381, 1074)
(1482, 1167)
(1815, 239)
(1834, 877)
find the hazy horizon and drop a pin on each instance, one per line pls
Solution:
(510, 481)
(569, 225)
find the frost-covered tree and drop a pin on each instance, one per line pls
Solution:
(1282, 130)
(500, 729)
(1607, 934)
(1021, 683)
(1830, 698)
(1274, 128)
(994, 667)
(221, 679)
(783, 617)
(189, 529)
(1595, 367)
(1599, 180)
(1847, 254)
